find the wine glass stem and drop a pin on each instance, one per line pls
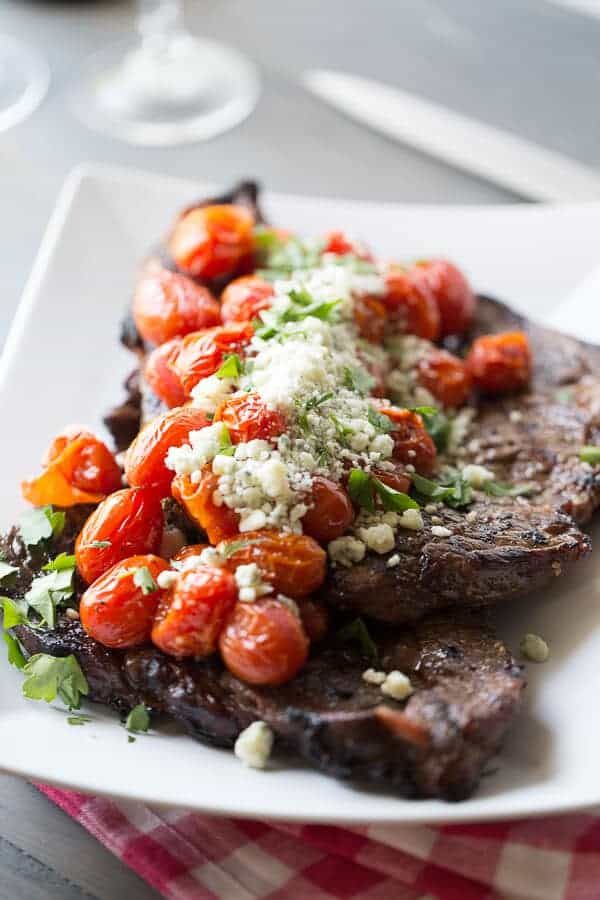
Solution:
(159, 23)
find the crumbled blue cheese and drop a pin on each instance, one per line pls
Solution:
(253, 746)
(397, 686)
(250, 584)
(535, 648)
(346, 551)
(441, 531)
(210, 392)
(393, 561)
(477, 476)
(203, 446)
(373, 676)
(379, 538)
(166, 579)
(411, 519)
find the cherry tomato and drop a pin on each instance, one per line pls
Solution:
(191, 615)
(412, 443)
(219, 522)
(212, 241)
(190, 550)
(117, 612)
(160, 375)
(445, 376)
(293, 563)
(331, 513)
(248, 417)
(78, 468)
(263, 643)
(244, 298)
(128, 522)
(454, 297)
(315, 619)
(167, 304)
(411, 305)
(337, 243)
(398, 480)
(145, 458)
(370, 318)
(203, 352)
(500, 363)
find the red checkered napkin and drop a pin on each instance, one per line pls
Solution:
(187, 856)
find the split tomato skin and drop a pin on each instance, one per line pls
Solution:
(331, 513)
(160, 374)
(294, 564)
(446, 377)
(129, 521)
(453, 294)
(243, 299)
(168, 304)
(264, 643)
(192, 614)
(500, 363)
(410, 304)
(412, 443)
(145, 458)
(247, 417)
(114, 610)
(219, 522)
(213, 241)
(202, 353)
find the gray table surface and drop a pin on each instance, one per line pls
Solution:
(526, 65)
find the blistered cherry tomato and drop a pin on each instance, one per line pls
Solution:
(167, 304)
(160, 375)
(263, 643)
(331, 513)
(370, 317)
(293, 563)
(411, 305)
(189, 551)
(213, 241)
(244, 298)
(445, 376)
(127, 523)
(191, 615)
(315, 619)
(203, 352)
(500, 363)
(219, 522)
(145, 458)
(453, 295)
(117, 612)
(337, 243)
(412, 443)
(247, 417)
(397, 479)
(78, 468)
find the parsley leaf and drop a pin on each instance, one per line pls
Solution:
(500, 489)
(60, 563)
(50, 676)
(364, 488)
(379, 421)
(437, 425)
(357, 632)
(283, 254)
(144, 580)
(7, 572)
(15, 654)
(97, 545)
(425, 410)
(452, 489)
(229, 549)
(358, 380)
(12, 614)
(78, 720)
(138, 719)
(311, 404)
(232, 367)
(40, 524)
(47, 592)
(590, 454)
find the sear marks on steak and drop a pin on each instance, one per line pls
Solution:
(467, 691)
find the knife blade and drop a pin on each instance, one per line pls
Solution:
(492, 154)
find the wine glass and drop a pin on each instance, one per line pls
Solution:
(166, 86)
(24, 79)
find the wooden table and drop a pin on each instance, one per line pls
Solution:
(525, 65)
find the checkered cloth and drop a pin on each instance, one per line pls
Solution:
(187, 856)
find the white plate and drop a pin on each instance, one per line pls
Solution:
(62, 363)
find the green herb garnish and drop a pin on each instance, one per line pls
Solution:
(364, 488)
(452, 489)
(98, 545)
(12, 613)
(311, 404)
(142, 577)
(358, 380)
(78, 720)
(48, 677)
(437, 425)
(357, 632)
(500, 489)
(47, 592)
(590, 454)
(41, 524)
(60, 563)
(379, 421)
(232, 367)
(138, 719)
(15, 654)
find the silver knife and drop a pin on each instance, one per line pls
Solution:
(476, 148)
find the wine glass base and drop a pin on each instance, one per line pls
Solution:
(191, 90)
(24, 79)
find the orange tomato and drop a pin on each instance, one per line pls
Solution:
(264, 643)
(452, 292)
(127, 523)
(213, 241)
(411, 305)
(160, 375)
(244, 298)
(167, 304)
(500, 363)
(203, 352)
(248, 417)
(145, 458)
(445, 376)
(219, 522)
(412, 443)
(190, 550)
(331, 513)
(78, 468)
(293, 563)
(117, 612)
(192, 614)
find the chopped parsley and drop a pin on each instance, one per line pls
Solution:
(500, 489)
(12, 614)
(41, 524)
(281, 255)
(365, 488)
(78, 720)
(142, 577)
(60, 563)
(309, 405)
(358, 380)
(303, 305)
(232, 367)
(138, 719)
(357, 632)
(379, 421)
(48, 677)
(47, 592)
(437, 424)
(452, 489)
(230, 549)
(590, 454)
(97, 545)
(15, 654)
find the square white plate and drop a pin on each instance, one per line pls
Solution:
(62, 363)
